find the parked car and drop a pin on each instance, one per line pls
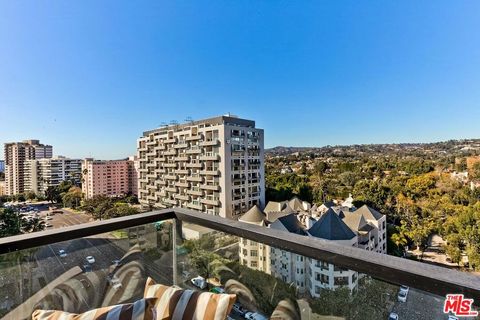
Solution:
(402, 296)
(90, 259)
(393, 316)
(48, 225)
(62, 253)
(185, 274)
(117, 262)
(114, 282)
(199, 282)
(48, 218)
(404, 288)
(237, 307)
(450, 317)
(254, 316)
(87, 268)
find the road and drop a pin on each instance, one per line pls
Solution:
(422, 305)
(47, 265)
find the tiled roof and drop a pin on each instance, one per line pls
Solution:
(331, 227)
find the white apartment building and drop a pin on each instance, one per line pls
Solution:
(214, 165)
(16, 153)
(254, 254)
(364, 228)
(39, 174)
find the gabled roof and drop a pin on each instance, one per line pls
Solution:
(273, 216)
(288, 209)
(369, 213)
(331, 227)
(254, 215)
(296, 204)
(354, 221)
(292, 224)
(274, 206)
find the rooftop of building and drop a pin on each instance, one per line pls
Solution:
(218, 120)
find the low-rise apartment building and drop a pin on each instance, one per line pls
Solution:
(214, 165)
(39, 174)
(364, 228)
(109, 177)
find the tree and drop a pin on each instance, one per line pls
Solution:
(475, 171)
(120, 209)
(30, 195)
(13, 223)
(52, 194)
(72, 198)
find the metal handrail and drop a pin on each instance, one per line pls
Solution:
(427, 277)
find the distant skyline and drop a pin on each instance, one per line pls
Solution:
(89, 77)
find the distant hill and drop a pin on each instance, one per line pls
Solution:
(466, 145)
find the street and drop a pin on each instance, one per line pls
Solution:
(421, 305)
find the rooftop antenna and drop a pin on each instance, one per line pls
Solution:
(189, 119)
(174, 123)
(163, 124)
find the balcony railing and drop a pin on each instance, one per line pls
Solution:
(34, 274)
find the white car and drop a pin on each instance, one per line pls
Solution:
(450, 317)
(62, 253)
(402, 296)
(393, 316)
(199, 282)
(254, 316)
(115, 282)
(90, 259)
(404, 288)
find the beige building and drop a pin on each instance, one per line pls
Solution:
(254, 255)
(2, 188)
(110, 178)
(16, 153)
(214, 165)
(39, 174)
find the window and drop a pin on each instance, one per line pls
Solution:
(245, 252)
(340, 281)
(253, 253)
(253, 264)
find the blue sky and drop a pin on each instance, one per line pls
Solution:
(89, 76)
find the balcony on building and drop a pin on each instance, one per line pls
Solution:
(172, 246)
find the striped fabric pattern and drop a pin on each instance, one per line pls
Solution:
(177, 304)
(143, 309)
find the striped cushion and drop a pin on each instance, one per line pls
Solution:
(143, 309)
(177, 304)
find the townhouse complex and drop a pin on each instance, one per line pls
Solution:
(39, 174)
(342, 223)
(214, 165)
(16, 153)
(109, 177)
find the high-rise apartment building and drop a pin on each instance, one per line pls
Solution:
(213, 165)
(16, 153)
(110, 178)
(39, 174)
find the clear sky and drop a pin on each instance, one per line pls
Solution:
(89, 77)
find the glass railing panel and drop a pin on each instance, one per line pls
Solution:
(86, 273)
(273, 282)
